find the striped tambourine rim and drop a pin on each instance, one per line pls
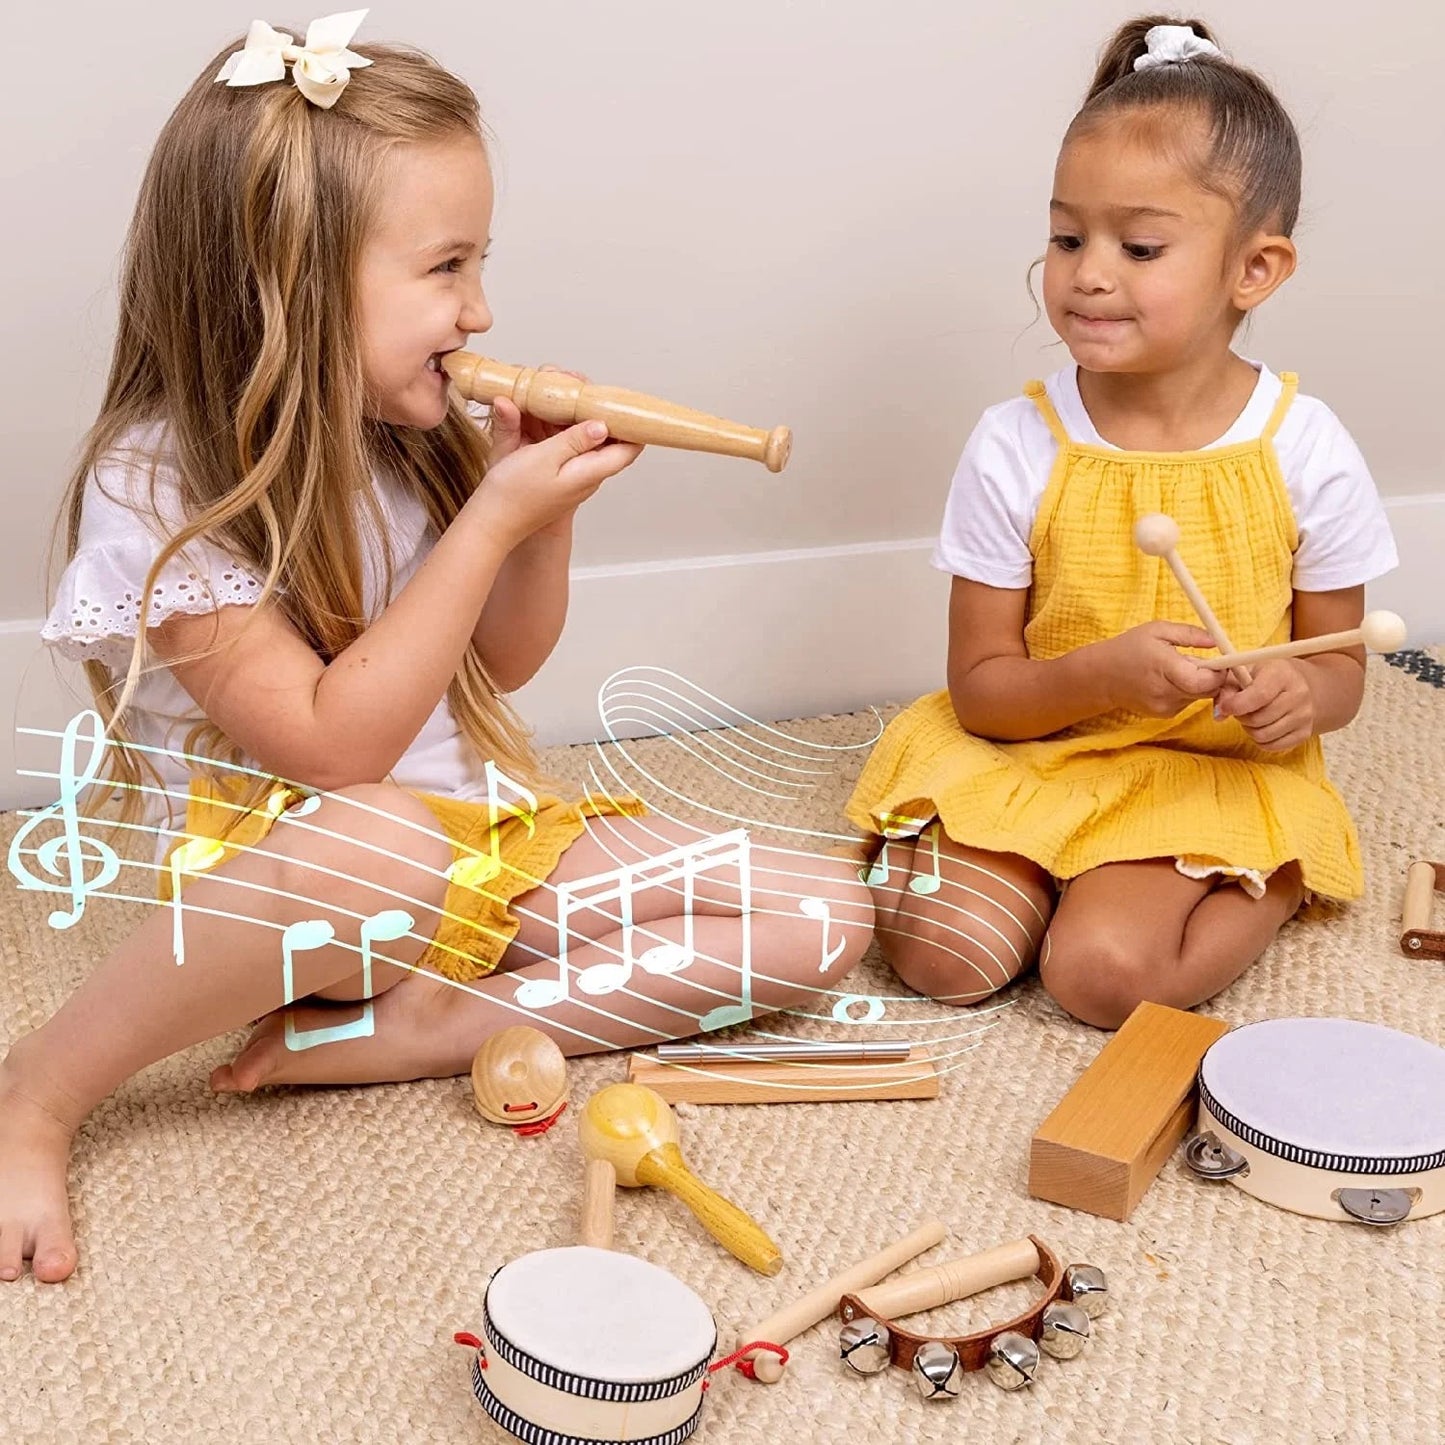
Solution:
(533, 1434)
(630, 1392)
(1317, 1158)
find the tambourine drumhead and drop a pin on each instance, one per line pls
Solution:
(591, 1344)
(1319, 1104)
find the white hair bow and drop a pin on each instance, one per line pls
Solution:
(320, 68)
(1172, 45)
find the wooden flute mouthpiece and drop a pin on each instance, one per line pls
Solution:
(631, 416)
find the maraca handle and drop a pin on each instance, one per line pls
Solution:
(739, 1234)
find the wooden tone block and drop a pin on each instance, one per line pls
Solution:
(745, 1081)
(1111, 1133)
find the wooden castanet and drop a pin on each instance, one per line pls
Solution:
(519, 1077)
(1157, 535)
(1378, 631)
(636, 1132)
(819, 1303)
(631, 416)
(958, 1279)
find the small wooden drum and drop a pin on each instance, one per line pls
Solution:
(583, 1344)
(1327, 1117)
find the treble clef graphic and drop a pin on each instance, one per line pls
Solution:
(77, 849)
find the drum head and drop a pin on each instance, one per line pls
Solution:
(1331, 1093)
(600, 1314)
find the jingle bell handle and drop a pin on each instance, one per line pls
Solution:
(599, 1193)
(736, 1231)
(959, 1278)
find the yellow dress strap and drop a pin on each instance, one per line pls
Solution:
(1038, 393)
(1286, 396)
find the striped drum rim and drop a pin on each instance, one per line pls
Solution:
(532, 1434)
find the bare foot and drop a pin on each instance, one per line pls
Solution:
(34, 1210)
(411, 1038)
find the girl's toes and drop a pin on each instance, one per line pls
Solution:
(55, 1257)
(11, 1252)
(260, 1061)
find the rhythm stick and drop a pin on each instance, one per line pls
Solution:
(636, 1132)
(1379, 631)
(818, 1304)
(1157, 536)
(631, 416)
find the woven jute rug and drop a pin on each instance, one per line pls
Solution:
(292, 1266)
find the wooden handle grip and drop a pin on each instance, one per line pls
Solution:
(819, 1303)
(955, 1280)
(1419, 896)
(1205, 613)
(631, 416)
(1304, 647)
(599, 1193)
(736, 1231)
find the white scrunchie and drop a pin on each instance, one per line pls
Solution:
(320, 68)
(1173, 45)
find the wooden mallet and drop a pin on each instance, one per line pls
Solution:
(631, 416)
(790, 1321)
(1378, 631)
(635, 1131)
(1157, 535)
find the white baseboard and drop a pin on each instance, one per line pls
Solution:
(773, 634)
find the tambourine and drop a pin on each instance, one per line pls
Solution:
(1327, 1117)
(1059, 1321)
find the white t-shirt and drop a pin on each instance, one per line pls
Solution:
(97, 612)
(1345, 538)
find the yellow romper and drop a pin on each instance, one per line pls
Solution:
(494, 861)
(1121, 785)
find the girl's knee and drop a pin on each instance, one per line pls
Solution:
(940, 963)
(1099, 978)
(847, 927)
(372, 836)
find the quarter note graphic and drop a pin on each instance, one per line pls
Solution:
(928, 882)
(818, 908)
(75, 848)
(391, 923)
(479, 870)
(193, 856)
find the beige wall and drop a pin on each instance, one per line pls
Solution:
(817, 212)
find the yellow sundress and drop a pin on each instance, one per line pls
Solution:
(1123, 786)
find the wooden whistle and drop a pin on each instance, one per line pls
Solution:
(631, 416)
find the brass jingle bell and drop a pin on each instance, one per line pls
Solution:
(1065, 1330)
(1086, 1286)
(1012, 1360)
(937, 1371)
(865, 1346)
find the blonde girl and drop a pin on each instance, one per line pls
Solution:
(303, 579)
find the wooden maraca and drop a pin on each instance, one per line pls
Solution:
(631, 416)
(519, 1078)
(1378, 631)
(634, 1130)
(1157, 535)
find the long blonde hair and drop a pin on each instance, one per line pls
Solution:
(238, 332)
